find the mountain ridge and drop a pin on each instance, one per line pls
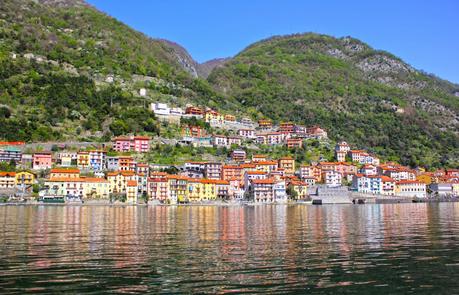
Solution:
(69, 71)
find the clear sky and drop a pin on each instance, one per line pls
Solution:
(423, 33)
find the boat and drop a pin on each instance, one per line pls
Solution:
(49, 199)
(71, 199)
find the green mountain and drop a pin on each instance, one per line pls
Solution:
(367, 97)
(69, 71)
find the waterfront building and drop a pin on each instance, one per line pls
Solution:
(410, 188)
(388, 186)
(262, 190)
(177, 189)
(370, 184)
(441, 189)
(158, 188)
(299, 188)
(131, 191)
(279, 191)
(249, 176)
(118, 181)
(332, 178)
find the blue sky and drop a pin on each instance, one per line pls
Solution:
(423, 33)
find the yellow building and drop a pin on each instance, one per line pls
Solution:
(96, 188)
(425, 178)
(25, 177)
(177, 189)
(288, 164)
(266, 166)
(131, 191)
(300, 188)
(213, 116)
(455, 186)
(7, 179)
(83, 160)
(209, 189)
(118, 180)
(195, 190)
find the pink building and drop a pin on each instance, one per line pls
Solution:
(42, 161)
(139, 144)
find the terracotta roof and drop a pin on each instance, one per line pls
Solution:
(387, 179)
(157, 179)
(4, 173)
(286, 158)
(231, 167)
(65, 179)
(94, 179)
(263, 181)
(65, 170)
(132, 183)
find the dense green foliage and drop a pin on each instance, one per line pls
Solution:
(296, 78)
(53, 67)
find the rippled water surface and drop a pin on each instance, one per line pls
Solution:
(367, 249)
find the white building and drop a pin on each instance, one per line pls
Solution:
(280, 193)
(160, 108)
(332, 178)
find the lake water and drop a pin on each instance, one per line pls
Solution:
(362, 249)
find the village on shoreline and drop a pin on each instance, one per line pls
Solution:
(111, 173)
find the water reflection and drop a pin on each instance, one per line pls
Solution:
(395, 248)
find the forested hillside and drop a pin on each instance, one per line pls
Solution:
(370, 98)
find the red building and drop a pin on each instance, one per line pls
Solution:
(287, 127)
(194, 111)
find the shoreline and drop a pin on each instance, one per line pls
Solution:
(107, 204)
